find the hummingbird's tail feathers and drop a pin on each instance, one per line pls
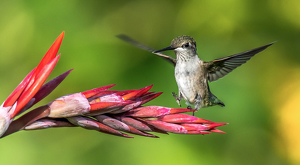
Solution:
(215, 101)
(220, 67)
(221, 104)
(144, 47)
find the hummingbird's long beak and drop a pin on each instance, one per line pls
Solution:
(164, 49)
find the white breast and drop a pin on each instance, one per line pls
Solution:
(186, 77)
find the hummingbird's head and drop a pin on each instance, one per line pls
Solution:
(183, 42)
(182, 45)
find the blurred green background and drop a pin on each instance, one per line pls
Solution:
(262, 97)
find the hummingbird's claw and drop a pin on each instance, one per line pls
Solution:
(189, 107)
(174, 95)
(178, 103)
(177, 98)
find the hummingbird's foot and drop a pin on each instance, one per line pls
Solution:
(189, 107)
(177, 98)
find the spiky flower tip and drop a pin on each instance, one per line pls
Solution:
(31, 90)
(108, 111)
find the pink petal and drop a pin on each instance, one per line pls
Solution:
(103, 93)
(89, 123)
(168, 127)
(182, 118)
(95, 91)
(127, 107)
(113, 123)
(140, 125)
(198, 132)
(137, 93)
(48, 123)
(155, 111)
(107, 105)
(69, 105)
(217, 131)
(120, 126)
(202, 127)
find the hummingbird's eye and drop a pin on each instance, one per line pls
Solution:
(186, 45)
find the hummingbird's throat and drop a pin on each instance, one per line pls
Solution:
(185, 54)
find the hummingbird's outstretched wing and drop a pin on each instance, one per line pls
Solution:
(220, 67)
(141, 46)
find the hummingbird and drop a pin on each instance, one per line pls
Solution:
(192, 74)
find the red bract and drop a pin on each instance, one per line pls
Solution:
(101, 109)
(29, 91)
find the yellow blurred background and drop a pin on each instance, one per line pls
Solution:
(262, 97)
